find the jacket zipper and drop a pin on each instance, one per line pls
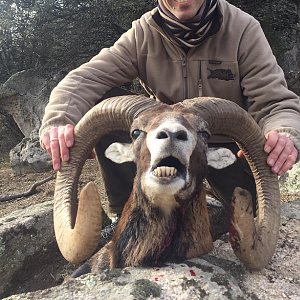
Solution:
(184, 71)
(200, 91)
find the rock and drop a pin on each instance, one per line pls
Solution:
(290, 181)
(218, 275)
(190, 280)
(25, 95)
(280, 279)
(21, 97)
(10, 135)
(29, 157)
(291, 210)
(23, 234)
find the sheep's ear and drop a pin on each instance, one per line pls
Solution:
(120, 153)
(220, 158)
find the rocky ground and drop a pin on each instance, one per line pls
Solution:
(52, 270)
(280, 280)
(11, 184)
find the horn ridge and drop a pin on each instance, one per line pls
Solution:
(112, 114)
(227, 118)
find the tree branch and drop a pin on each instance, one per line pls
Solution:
(30, 191)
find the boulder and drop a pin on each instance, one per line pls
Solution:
(290, 181)
(23, 234)
(29, 157)
(291, 210)
(10, 135)
(20, 97)
(191, 280)
(25, 95)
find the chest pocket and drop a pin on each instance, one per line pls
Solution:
(222, 80)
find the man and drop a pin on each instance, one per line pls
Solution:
(185, 49)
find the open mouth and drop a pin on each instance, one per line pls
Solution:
(169, 167)
(182, 1)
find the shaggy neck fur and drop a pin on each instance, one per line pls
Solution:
(148, 236)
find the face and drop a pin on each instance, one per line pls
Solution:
(183, 9)
(167, 162)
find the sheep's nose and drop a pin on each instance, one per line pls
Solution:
(178, 135)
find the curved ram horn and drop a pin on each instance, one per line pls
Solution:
(257, 240)
(78, 226)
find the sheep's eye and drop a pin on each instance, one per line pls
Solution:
(135, 134)
(205, 134)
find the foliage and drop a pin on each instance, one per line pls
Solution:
(279, 20)
(53, 34)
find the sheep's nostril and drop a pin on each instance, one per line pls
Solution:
(181, 135)
(162, 135)
(178, 135)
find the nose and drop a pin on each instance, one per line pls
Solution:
(180, 135)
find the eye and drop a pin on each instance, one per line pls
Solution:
(135, 134)
(205, 134)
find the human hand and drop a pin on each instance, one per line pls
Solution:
(281, 150)
(57, 142)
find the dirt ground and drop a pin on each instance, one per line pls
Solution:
(11, 184)
(50, 268)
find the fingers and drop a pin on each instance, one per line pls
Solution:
(240, 154)
(69, 135)
(46, 142)
(66, 140)
(282, 152)
(55, 149)
(56, 142)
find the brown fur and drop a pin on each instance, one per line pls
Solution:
(191, 239)
(147, 234)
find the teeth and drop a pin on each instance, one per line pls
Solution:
(165, 172)
(181, 1)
